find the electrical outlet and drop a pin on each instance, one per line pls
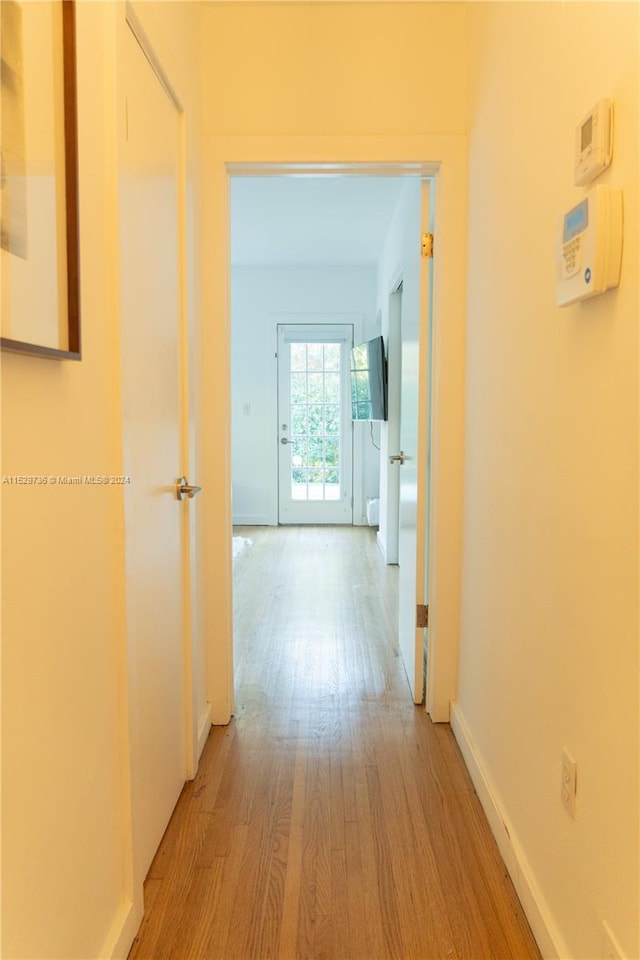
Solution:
(568, 783)
(609, 948)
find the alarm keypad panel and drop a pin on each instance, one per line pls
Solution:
(575, 223)
(590, 246)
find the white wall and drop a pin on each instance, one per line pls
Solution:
(549, 646)
(66, 880)
(262, 297)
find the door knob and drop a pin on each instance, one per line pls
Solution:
(398, 458)
(284, 440)
(185, 489)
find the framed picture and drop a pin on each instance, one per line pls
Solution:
(39, 252)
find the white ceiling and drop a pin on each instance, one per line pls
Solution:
(319, 220)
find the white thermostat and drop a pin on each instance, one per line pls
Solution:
(589, 251)
(594, 143)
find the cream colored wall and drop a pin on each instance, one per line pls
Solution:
(63, 756)
(271, 69)
(549, 648)
(66, 883)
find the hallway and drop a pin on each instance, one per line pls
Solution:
(331, 819)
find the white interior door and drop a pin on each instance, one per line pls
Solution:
(315, 433)
(150, 242)
(413, 468)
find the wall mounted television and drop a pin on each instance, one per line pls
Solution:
(369, 381)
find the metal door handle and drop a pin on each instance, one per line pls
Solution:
(185, 489)
(284, 440)
(398, 458)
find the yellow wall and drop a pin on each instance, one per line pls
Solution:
(549, 649)
(329, 69)
(62, 615)
(66, 883)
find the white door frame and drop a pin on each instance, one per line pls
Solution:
(388, 537)
(264, 156)
(403, 537)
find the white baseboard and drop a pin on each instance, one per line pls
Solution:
(204, 726)
(382, 546)
(253, 520)
(545, 930)
(123, 930)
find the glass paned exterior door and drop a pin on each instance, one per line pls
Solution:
(314, 424)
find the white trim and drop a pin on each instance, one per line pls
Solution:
(392, 439)
(204, 726)
(254, 520)
(542, 923)
(124, 929)
(332, 169)
(317, 332)
(135, 25)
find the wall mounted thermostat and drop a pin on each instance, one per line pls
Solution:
(594, 143)
(590, 246)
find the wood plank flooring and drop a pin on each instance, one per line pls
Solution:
(331, 820)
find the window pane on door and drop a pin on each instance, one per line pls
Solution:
(332, 356)
(314, 356)
(332, 419)
(298, 356)
(315, 420)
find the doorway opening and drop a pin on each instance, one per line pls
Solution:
(271, 465)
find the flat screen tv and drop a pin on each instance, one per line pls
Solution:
(369, 381)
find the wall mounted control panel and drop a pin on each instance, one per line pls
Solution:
(590, 246)
(594, 143)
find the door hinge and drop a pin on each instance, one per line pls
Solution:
(422, 615)
(426, 248)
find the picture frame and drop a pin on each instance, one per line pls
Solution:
(39, 229)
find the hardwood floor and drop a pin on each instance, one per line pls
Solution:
(331, 820)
